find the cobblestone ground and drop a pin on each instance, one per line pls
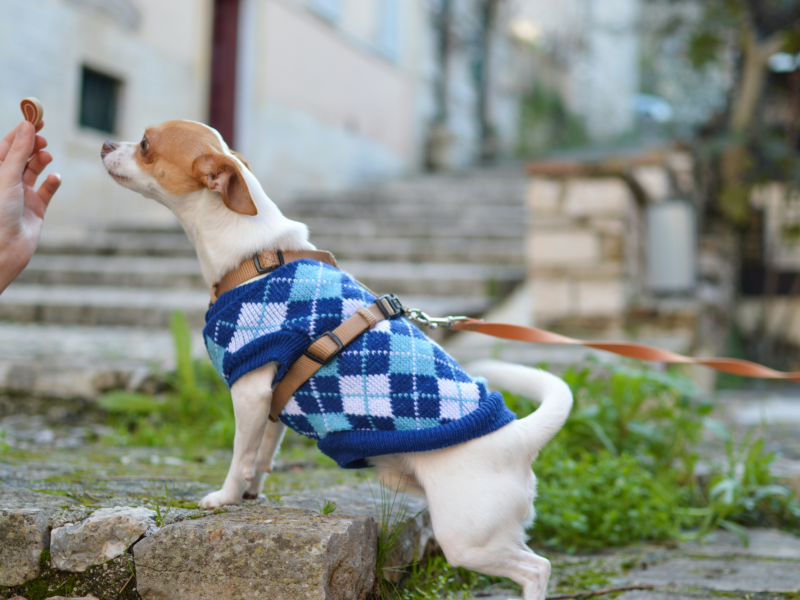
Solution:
(51, 454)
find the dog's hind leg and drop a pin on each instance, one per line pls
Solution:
(480, 496)
(252, 395)
(270, 443)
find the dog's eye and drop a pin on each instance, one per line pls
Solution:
(144, 145)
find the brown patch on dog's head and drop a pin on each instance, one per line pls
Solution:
(183, 157)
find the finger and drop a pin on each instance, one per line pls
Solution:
(5, 144)
(39, 126)
(48, 188)
(35, 167)
(20, 151)
(40, 143)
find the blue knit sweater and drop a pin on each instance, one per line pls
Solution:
(391, 390)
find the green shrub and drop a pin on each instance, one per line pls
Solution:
(622, 469)
(654, 416)
(599, 500)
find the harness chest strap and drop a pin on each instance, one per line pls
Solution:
(266, 262)
(326, 347)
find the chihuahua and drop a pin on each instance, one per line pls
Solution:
(480, 491)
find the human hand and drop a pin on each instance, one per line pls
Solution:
(22, 208)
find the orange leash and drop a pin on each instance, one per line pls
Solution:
(733, 366)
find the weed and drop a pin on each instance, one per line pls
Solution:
(328, 508)
(393, 519)
(194, 413)
(743, 491)
(436, 579)
(169, 498)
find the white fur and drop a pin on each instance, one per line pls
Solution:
(480, 493)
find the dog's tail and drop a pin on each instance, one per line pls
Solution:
(554, 395)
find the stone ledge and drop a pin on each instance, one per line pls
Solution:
(305, 553)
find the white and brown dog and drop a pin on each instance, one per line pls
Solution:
(480, 493)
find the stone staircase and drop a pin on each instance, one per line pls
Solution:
(446, 244)
(93, 314)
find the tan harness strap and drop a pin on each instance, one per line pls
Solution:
(266, 262)
(327, 346)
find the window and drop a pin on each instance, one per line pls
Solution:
(328, 9)
(99, 101)
(389, 29)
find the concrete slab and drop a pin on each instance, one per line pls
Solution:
(764, 543)
(723, 575)
(651, 595)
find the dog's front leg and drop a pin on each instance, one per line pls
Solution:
(273, 435)
(252, 396)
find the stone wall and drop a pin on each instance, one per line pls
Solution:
(580, 250)
(587, 252)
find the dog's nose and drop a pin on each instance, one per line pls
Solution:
(108, 148)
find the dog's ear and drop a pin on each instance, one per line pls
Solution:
(220, 173)
(241, 158)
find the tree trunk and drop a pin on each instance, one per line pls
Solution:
(736, 161)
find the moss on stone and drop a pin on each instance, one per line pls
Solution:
(103, 581)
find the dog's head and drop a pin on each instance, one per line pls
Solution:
(175, 161)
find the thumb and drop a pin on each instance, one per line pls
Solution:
(21, 150)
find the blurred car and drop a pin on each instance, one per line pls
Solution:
(652, 108)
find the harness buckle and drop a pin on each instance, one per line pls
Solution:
(394, 303)
(264, 270)
(335, 353)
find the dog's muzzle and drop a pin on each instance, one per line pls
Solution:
(108, 148)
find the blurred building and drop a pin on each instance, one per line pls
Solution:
(587, 52)
(317, 94)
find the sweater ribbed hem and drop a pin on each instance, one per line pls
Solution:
(350, 449)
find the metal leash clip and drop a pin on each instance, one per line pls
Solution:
(423, 318)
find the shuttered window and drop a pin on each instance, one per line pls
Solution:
(99, 101)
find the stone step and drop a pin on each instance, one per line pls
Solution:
(74, 361)
(435, 279)
(96, 305)
(113, 270)
(416, 212)
(465, 227)
(429, 249)
(157, 242)
(184, 273)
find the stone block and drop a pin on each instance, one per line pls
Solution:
(281, 554)
(655, 182)
(600, 196)
(106, 534)
(24, 535)
(373, 500)
(595, 298)
(563, 248)
(544, 196)
(552, 297)
(613, 247)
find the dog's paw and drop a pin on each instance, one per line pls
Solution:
(217, 499)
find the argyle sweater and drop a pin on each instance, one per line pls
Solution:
(391, 390)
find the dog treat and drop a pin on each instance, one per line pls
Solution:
(33, 110)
